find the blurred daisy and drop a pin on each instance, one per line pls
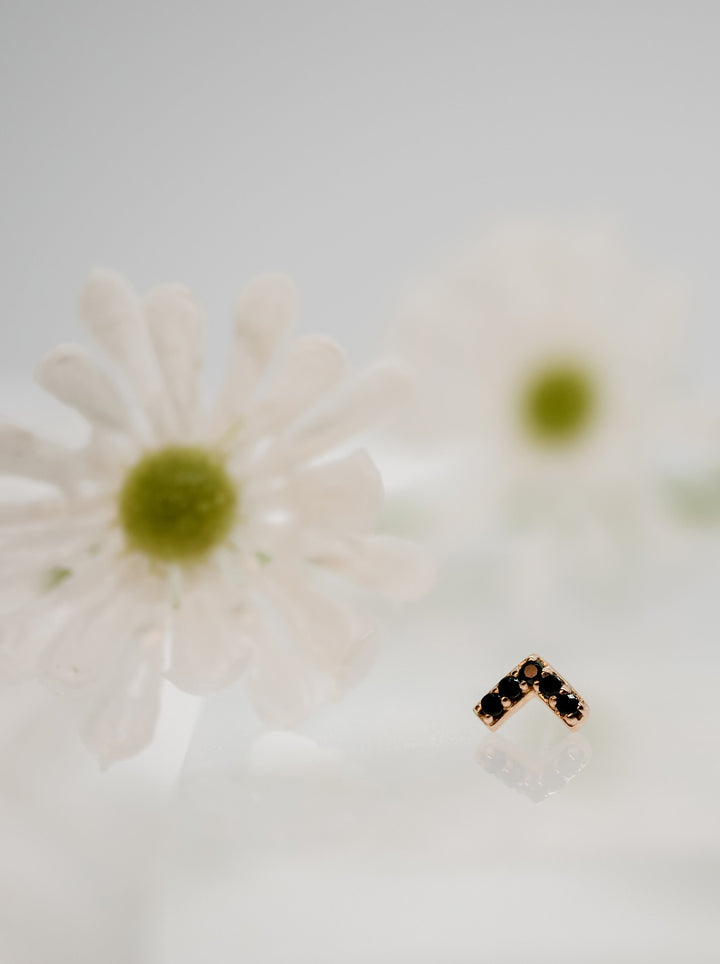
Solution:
(196, 544)
(547, 366)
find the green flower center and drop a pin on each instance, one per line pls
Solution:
(177, 504)
(559, 403)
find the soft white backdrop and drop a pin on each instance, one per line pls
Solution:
(351, 145)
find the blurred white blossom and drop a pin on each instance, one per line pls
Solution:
(190, 543)
(549, 374)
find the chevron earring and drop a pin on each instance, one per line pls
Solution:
(532, 677)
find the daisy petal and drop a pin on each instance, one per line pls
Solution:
(89, 640)
(322, 628)
(395, 568)
(25, 454)
(371, 397)
(344, 495)
(265, 311)
(108, 455)
(177, 329)
(111, 310)
(76, 655)
(19, 586)
(70, 374)
(123, 722)
(27, 631)
(113, 313)
(280, 685)
(264, 314)
(22, 638)
(210, 645)
(311, 367)
(49, 529)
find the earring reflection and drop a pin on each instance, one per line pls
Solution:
(536, 778)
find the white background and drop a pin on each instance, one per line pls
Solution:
(347, 143)
(352, 144)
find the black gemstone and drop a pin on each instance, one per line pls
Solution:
(567, 704)
(491, 705)
(509, 688)
(530, 671)
(550, 685)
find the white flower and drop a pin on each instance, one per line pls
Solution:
(197, 544)
(548, 364)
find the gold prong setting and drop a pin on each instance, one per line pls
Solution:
(533, 677)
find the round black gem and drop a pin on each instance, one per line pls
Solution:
(550, 685)
(567, 704)
(491, 705)
(509, 688)
(530, 671)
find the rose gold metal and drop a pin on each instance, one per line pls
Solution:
(532, 689)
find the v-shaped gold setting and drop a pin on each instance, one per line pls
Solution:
(532, 677)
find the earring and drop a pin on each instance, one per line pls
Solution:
(532, 677)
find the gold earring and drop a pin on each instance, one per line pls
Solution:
(532, 677)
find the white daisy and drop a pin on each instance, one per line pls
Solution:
(548, 362)
(197, 544)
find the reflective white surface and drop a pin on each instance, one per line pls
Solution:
(396, 828)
